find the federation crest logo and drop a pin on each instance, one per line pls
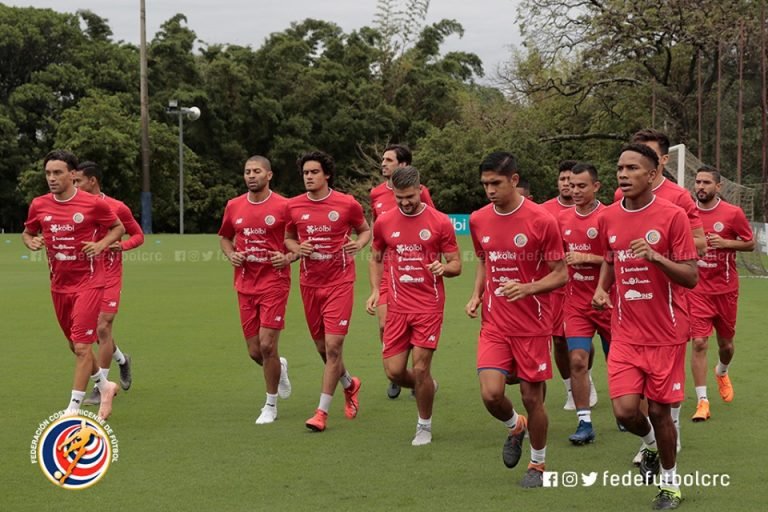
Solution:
(333, 215)
(74, 452)
(520, 240)
(652, 237)
(592, 233)
(425, 234)
(78, 218)
(718, 226)
(269, 220)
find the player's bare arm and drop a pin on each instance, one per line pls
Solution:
(116, 231)
(477, 291)
(376, 268)
(228, 248)
(557, 278)
(717, 242)
(451, 267)
(292, 244)
(683, 273)
(282, 260)
(602, 299)
(33, 241)
(699, 240)
(582, 258)
(363, 232)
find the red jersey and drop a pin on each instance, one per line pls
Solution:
(717, 268)
(383, 199)
(554, 206)
(579, 233)
(676, 195)
(410, 243)
(328, 224)
(649, 309)
(257, 229)
(113, 260)
(66, 226)
(515, 246)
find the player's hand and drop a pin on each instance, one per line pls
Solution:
(92, 249)
(601, 300)
(436, 268)
(716, 241)
(306, 248)
(642, 249)
(279, 260)
(352, 247)
(372, 303)
(116, 246)
(473, 306)
(575, 258)
(36, 243)
(236, 258)
(514, 290)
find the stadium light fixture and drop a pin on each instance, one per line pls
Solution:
(191, 113)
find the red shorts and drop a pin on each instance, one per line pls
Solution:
(328, 310)
(110, 301)
(527, 357)
(557, 305)
(264, 310)
(655, 371)
(717, 312)
(584, 323)
(78, 313)
(405, 330)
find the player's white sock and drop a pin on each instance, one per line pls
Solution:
(345, 379)
(650, 439)
(669, 479)
(512, 422)
(701, 393)
(675, 413)
(118, 356)
(722, 369)
(76, 399)
(538, 456)
(105, 373)
(584, 415)
(426, 423)
(271, 400)
(325, 402)
(567, 383)
(100, 380)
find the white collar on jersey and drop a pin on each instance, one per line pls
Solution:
(248, 197)
(657, 187)
(423, 207)
(698, 205)
(590, 212)
(639, 209)
(330, 191)
(563, 204)
(65, 200)
(497, 212)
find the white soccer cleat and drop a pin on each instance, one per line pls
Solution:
(284, 386)
(268, 415)
(592, 393)
(639, 456)
(569, 405)
(423, 436)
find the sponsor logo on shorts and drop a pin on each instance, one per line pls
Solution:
(592, 233)
(542, 367)
(425, 234)
(636, 295)
(653, 237)
(677, 386)
(78, 218)
(344, 323)
(269, 220)
(432, 339)
(520, 240)
(333, 215)
(718, 226)
(74, 452)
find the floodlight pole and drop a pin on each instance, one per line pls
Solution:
(193, 113)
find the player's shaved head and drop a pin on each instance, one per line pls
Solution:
(264, 161)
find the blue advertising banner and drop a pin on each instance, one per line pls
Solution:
(460, 223)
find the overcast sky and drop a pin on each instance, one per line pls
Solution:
(489, 25)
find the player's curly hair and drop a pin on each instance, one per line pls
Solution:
(324, 159)
(644, 150)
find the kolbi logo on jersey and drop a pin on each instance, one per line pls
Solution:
(592, 233)
(254, 231)
(718, 226)
(409, 248)
(425, 234)
(653, 237)
(58, 228)
(520, 240)
(322, 228)
(501, 256)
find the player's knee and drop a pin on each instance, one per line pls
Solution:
(658, 414)
(533, 398)
(420, 373)
(492, 397)
(395, 374)
(699, 345)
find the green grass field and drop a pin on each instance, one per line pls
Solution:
(186, 435)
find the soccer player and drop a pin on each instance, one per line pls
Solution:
(650, 256)
(521, 257)
(584, 257)
(395, 156)
(252, 238)
(65, 223)
(413, 239)
(564, 201)
(88, 178)
(319, 230)
(714, 301)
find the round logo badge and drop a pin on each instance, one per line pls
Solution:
(78, 217)
(718, 226)
(520, 240)
(74, 452)
(592, 233)
(425, 234)
(653, 237)
(269, 220)
(333, 215)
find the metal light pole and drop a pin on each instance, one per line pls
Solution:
(192, 113)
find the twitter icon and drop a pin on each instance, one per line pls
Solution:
(589, 479)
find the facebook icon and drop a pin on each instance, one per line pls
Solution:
(550, 479)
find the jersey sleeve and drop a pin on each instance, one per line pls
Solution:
(473, 234)
(227, 229)
(356, 217)
(682, 247)
(104, 214)
(741, 225)
(602, 238)
(552, 243)
(448, 243)
(32, 224)
(378, 237)
(132, 228)
(691, 211)
(426, 197)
